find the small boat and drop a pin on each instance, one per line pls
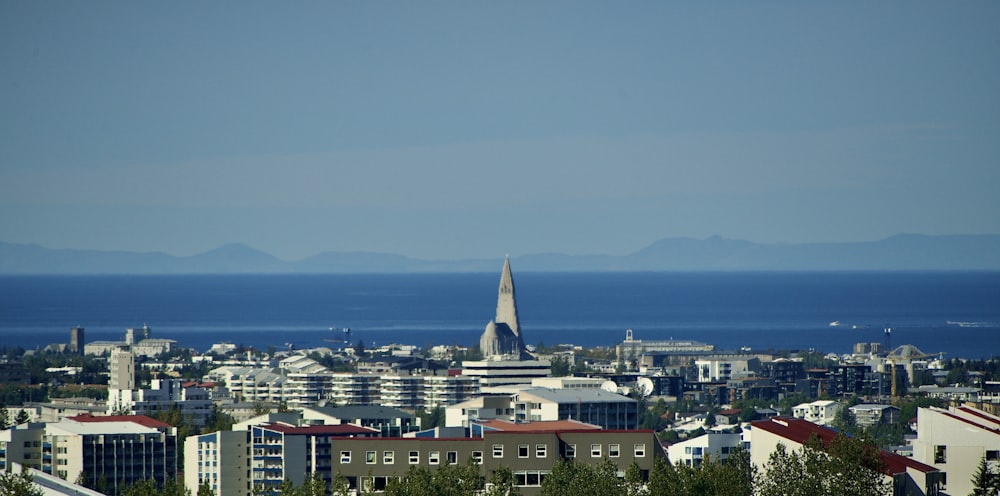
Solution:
(835, 323)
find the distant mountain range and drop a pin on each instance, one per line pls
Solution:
(900, 252)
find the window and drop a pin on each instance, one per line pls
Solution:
(522, 451)
(992, 455)
(370, 457)
(640, 450)
(540, 450)
(687, 450)
(595, 450)
(388, 457)
(452, 457)
(940, 454)
(570, 451)
(414, 457)
(614, 450)
(345, 457)
(497, 451)
(530, 478)
(477, 456)
(433, 457)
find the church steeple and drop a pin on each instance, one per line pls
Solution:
(506, 304)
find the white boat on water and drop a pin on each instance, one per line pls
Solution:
(835, 323)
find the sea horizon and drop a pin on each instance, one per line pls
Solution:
(951, 312)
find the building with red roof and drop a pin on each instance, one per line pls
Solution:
(908, 476)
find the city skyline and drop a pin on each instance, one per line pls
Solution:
(578, 128)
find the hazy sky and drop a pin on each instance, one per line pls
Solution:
(475, 129)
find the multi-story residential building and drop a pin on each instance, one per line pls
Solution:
(390, 422)
(907, 476)
(444, 390)
(722, 368)
(307, 388)
(868, 414)
(820, 412)
(252, 384)
(716, 446)
(162, 395)
(121, 369)
(481, 408)
(593, 406)
(117, 449)
(219, 459)
(402, 391)
(354, 389)
(257, 459)
(852, 379)
(954, 441)
(426, 391)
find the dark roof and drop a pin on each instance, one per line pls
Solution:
(137, 419)
(314, 430)
(799, 431)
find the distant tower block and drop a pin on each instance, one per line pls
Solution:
(888, 338)
(76, 340)
(121, 370)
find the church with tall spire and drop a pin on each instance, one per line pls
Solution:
(502, 339)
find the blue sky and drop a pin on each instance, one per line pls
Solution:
(475, 129)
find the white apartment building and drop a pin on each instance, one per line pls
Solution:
(307, 388)
(869, 414)
(252, 384)
(354, 389)
(723, 368)
(121, 369)
(593, 406)
(444, 390)
(716, 446)
(954, 441)
(162, 395)
(820, 412)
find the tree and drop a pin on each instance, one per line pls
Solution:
(984, 481)
(560, 367)
(844, 420)
(205, 490)
(22, 417)
(4, 417)
(138, 488)
(339, 486)
(287, 487)
(22, 484)
(845, 466)
(571, 478)
(633, 480)
(502, 483)
(313, 486)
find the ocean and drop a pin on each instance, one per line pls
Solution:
(957, 313)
